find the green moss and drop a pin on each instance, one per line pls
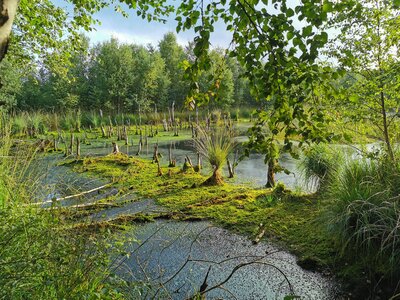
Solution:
(290, 219)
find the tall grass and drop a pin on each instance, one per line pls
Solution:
(41, 257)
(318, 164)
(365, 216)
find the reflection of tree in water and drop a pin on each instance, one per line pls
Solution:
(181, 261)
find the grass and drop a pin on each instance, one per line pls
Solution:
(318, 164)
(215, 145)
(360, 206)
(364, 219)
(39, 259)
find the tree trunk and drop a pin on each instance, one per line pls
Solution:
(215, 179)
(385, 128)
(8, 10)
(198, 166)
(173, 112)
(71, 144)
(115, 148)
(172, 162)
(271, 173)
(155, 154)
(78, 148)
(103, 131)
(230, 169)
(140, 145)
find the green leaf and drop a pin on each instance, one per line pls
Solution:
(307, 31)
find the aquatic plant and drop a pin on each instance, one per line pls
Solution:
(214, 145)
(19, 124)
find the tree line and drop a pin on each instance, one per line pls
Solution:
(118, 77)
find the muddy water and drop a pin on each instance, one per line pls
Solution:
(174, 258)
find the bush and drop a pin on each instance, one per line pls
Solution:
(215, 146)
(318, 164)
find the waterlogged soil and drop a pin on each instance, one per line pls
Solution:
(173, 257)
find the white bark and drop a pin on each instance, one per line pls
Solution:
(8, 10)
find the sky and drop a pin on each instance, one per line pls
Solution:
(136, 30)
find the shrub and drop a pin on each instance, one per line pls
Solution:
(215, 145)
(318, 164)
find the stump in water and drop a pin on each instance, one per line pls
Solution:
(66, 153)
(78, 148)
(230, 169)
(197, 168)
(193, 132)
(155, 153)
(125, 135)
(176, 133)
(103, 131)
(156, 159)
(71, 143)
(165, 124)
(115, 148)
(187, 166)
(140, 145)
(159, 171)
(119, 136)
(172, 162)
(189, 161)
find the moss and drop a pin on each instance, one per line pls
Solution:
(290, 219)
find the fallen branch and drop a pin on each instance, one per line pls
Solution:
(72, 196)
(261, 233)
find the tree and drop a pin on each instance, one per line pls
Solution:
(241, 92)
(152, 82)
(8, 10)
(366, 48)
(280, 62)
(218, 80)
(11, 85)
(112, 75)
(43, 28)
(173, 55)
(279, 59)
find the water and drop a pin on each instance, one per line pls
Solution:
(174, 257)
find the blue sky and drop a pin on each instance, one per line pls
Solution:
(136, 30)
